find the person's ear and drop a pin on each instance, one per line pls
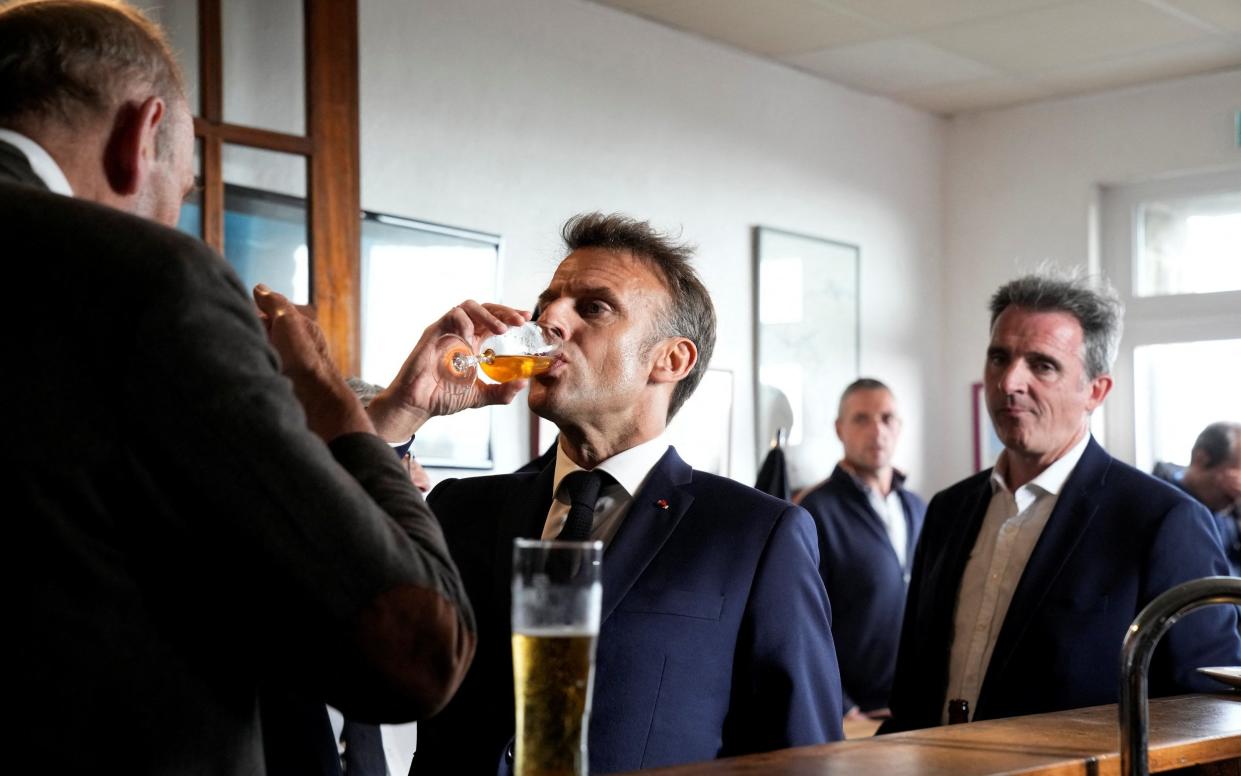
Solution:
(1099, 389)
(131, 149)
(674, 360)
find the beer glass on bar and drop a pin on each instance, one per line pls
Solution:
(557, 597)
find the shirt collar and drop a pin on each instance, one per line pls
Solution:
(898, 480)
(41, 162)
(1051, 479)
(629, 468)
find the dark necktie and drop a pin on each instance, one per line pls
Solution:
(364, 750)
(583, 490)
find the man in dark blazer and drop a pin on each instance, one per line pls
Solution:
(868, 526)
(715, 638)
(184, 523)
(1028, 575)
(1213, 477)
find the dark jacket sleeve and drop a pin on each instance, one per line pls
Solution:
(792, 671)
(908, 682)
(348, 573)
(1185, 547)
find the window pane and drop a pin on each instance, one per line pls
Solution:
(265, 220)
(412, 273)
(191, 220)
(264, 81)
(1179, 389)
(179, 18)
(1189, 246)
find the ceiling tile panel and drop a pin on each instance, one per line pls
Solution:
(637, 6)
(771, 27)
(922, 14)
(1051, 37)
(948, 56)
(1224, 15)
(890, 66)
(1170, 62)
(975, 95)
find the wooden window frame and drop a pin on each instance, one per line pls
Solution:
(330, 147)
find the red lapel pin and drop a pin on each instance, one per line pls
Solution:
(662, 503)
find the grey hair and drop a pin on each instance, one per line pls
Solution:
(72, 60)
(1097, 308)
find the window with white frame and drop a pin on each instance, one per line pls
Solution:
(1172, 248)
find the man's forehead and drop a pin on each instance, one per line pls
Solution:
(869, 400)
(588, 268)
(1038, 328)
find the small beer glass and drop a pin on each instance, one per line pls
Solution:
(521, 352)
(557, 597)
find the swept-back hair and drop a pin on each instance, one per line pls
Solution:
(689, 313)
(1097, 309)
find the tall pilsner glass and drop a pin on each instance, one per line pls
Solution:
(557, 596)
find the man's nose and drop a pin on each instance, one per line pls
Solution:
(554, 317)
(1014, 377)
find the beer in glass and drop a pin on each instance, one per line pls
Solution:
(557, 597)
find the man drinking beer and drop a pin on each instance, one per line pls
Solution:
(715, 636)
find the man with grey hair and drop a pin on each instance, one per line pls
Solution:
(171, 552)
(1028, 574)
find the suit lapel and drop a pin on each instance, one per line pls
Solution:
(861, 506)
(913, 527)
(646, 527)
(944, 578)
(1075, 509)
(524, 512)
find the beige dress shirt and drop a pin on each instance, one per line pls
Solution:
(1012, 527)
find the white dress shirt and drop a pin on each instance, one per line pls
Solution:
(892, 514)
(1012, 526)
(40, 161)
(629, 468)
(399, 742)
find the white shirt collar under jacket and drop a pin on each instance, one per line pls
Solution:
(41, 162)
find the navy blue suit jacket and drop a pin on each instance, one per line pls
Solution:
(1116, 539)
(715, 637)
(865, 581)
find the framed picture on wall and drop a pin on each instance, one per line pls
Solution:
(987, 444)
(806, 340)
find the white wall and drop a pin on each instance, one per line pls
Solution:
(509, 116)
(1020, 188)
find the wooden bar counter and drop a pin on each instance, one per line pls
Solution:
(1185, 731)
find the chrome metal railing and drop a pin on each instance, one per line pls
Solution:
(1135, 659)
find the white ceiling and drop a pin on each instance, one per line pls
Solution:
(950, 56)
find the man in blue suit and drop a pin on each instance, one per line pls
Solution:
(868, 526)
(716, 632)
(1213, 477)
(1028, 575)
